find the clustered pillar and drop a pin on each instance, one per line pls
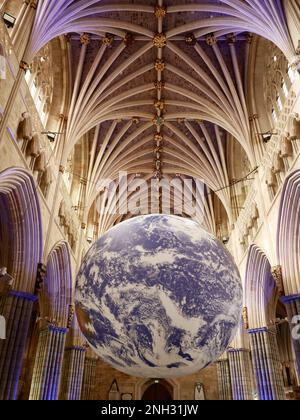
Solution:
(48, 363)
(292, 304)
(224, 380)
(241, 374)
(73, 373)
(266, 363)
(17, 310)
(89, 379)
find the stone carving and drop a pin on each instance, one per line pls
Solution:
(211, 40)
(160, 12)
(294, 127)
(24, 131)
(160, 40)
(277, 275)
(108, 40)
(271, 178)
(160, 65)
(278, 164)
(245, 318)
(33, 148)
(85, 39)
(191, 40)
(40, 278)
(286, 147)
(6, 282)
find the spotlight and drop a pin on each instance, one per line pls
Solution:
(51, 135)
(89, 240)
(9, 20)
(225, 240)
(266, 137)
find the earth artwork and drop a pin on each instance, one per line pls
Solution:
(158, 297)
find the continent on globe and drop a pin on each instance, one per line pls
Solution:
(158, 297)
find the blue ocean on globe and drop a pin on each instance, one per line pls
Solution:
(158, 297)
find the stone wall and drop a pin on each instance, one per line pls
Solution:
(183, 387)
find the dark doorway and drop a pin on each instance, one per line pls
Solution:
(157, 392)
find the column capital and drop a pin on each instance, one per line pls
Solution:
(56, 329)
(239, 350)
(250, 38)
(23, 295)
(34, 4)
(258, 330)
(76, 348)
(289, 299)
(63, 117)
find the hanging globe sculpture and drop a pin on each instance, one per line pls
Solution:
(158, 297)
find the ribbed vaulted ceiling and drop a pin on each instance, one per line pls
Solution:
(160, 86)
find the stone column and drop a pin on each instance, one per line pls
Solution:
(17, 310)
(20, 20)
(241, 374)
(89, 379)
(292, 304)
(224, 380)
(267, 366)
(73, 373)
(48, 363)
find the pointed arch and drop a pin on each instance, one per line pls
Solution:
(20, 228)
(261, 294)
(288, 234)
(57, 295)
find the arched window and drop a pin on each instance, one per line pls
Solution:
(40, 82)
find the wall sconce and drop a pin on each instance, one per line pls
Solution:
(9, 20)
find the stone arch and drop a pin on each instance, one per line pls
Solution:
(288, 251)
(261, 299)
(57, 295)
(171, 384)
(288, 238)
(56, 313)
(21, 227)
(261, 294)
(20, 252)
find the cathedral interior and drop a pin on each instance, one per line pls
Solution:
(153, 91)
